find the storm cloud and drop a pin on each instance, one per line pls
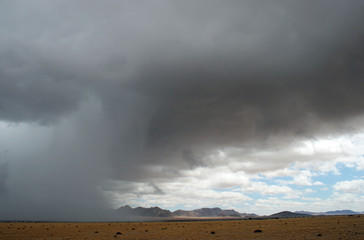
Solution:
(125, 86)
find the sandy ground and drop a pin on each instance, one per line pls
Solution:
(338, 227)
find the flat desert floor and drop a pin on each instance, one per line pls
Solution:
(329, 227)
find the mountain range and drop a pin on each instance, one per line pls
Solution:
(202, 212)
(217, 212)
(337, 212)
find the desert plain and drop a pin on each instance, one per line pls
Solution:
(325, 227)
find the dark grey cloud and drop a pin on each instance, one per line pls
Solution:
(174, 80)
(3, 177)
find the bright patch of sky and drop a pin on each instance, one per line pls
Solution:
(328, 176)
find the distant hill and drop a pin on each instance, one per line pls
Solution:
(287, 214)
(210, 212)
(184, 213)
(144, 212)
(305, 212)
(337, 212)
(340, 212)
(128, 211)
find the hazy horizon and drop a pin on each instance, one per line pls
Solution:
(256, 106)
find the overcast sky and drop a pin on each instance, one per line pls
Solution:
(251, 105)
